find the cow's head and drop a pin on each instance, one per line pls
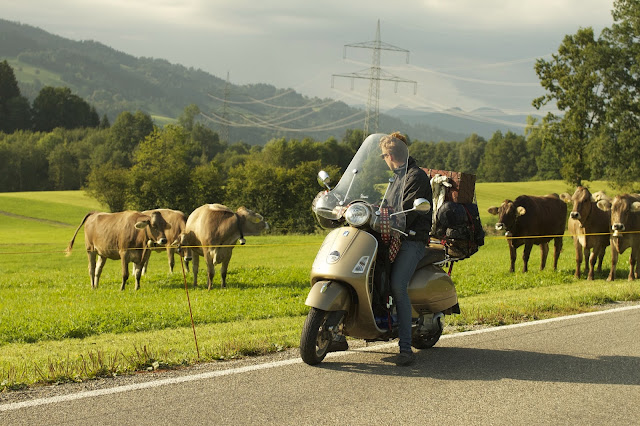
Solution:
(184, 241)
(507, 214)
(622, 207)
(583, 201)
(155, 227)
(251, 223)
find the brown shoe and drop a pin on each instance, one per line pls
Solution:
(405, 359)
(339, 345)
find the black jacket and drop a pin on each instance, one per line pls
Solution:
(416, 185)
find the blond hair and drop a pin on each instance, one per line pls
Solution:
(391, 144)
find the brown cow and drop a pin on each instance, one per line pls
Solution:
(625, 224)
(590, 229)
(532, 220)
(213, 225)
(177, 220)
(122, 235)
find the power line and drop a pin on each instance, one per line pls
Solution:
(375, 75)
(225, 127)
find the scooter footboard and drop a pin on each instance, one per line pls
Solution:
(329, 296)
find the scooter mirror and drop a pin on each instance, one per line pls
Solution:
(422, 205)
(324, 179)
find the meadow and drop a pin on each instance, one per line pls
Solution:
(55, 328)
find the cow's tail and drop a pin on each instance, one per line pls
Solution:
(70, 246)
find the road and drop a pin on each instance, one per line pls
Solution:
(582, 369)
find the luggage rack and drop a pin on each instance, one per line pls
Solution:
(449, 259)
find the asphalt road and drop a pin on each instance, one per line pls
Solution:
(582, 369)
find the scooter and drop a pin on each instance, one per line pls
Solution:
(350, 293)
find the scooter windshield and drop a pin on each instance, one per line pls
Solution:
(376, 175)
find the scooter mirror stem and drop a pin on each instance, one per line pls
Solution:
(355, 172)
(384, 197)
(403, 233)
(324, 179)
(420, 204)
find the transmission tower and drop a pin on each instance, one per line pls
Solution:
(375, 74)
(224, 132)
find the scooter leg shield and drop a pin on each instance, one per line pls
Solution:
(329, 296)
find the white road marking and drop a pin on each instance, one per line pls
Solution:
(276, 364)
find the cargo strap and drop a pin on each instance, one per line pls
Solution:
(388, 236)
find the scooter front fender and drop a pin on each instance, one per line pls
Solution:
(329, 296)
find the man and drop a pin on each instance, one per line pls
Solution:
(414, 183)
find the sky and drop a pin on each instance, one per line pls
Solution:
(465, 54)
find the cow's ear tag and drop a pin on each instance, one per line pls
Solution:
(143, 224)
(256, 219)
(242, 241)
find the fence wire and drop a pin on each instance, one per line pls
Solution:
(160, 248)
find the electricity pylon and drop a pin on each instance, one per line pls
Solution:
(375, 74)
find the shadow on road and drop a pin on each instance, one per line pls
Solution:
(491, 365)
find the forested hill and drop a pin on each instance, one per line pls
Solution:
(113, 82)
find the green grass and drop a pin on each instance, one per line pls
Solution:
(29, 74)
(54, 327)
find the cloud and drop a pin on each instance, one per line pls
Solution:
(473, 45)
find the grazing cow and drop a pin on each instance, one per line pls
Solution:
(177, 220)
(123, 235)
(625, 224)
(590, 229)
(532, 220)
(212, 230)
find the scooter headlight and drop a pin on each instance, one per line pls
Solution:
(357, 214)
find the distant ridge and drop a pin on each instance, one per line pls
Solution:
(114, 81)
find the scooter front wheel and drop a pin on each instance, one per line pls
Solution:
(315, 338)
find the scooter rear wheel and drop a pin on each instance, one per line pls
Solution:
(425, 341)
(315, 338)
(427, 338)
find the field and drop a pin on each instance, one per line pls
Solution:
(54, 328)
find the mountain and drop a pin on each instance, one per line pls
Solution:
(482, 121)
(114, 81)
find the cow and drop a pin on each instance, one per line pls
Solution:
(532, 220)
(177, 220)
(123, 235)
(589, 227)
(625, 224)
(212, 231)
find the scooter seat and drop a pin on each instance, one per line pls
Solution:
(432, 254)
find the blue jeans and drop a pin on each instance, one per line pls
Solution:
(402, 270)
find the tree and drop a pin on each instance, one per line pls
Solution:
(108, 183)
(505, 159)
(616, 150)
(188, 117)
(470, 153)
(283, 196)
(15, 111)
(207, 185)
(63, 169)
(104, 122)
(543, 151)
(58, 107)
(127, 131)
(573, 78)
(161, 173)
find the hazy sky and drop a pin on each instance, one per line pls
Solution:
(463, 53)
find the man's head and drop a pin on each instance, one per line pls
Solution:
(394, 149)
